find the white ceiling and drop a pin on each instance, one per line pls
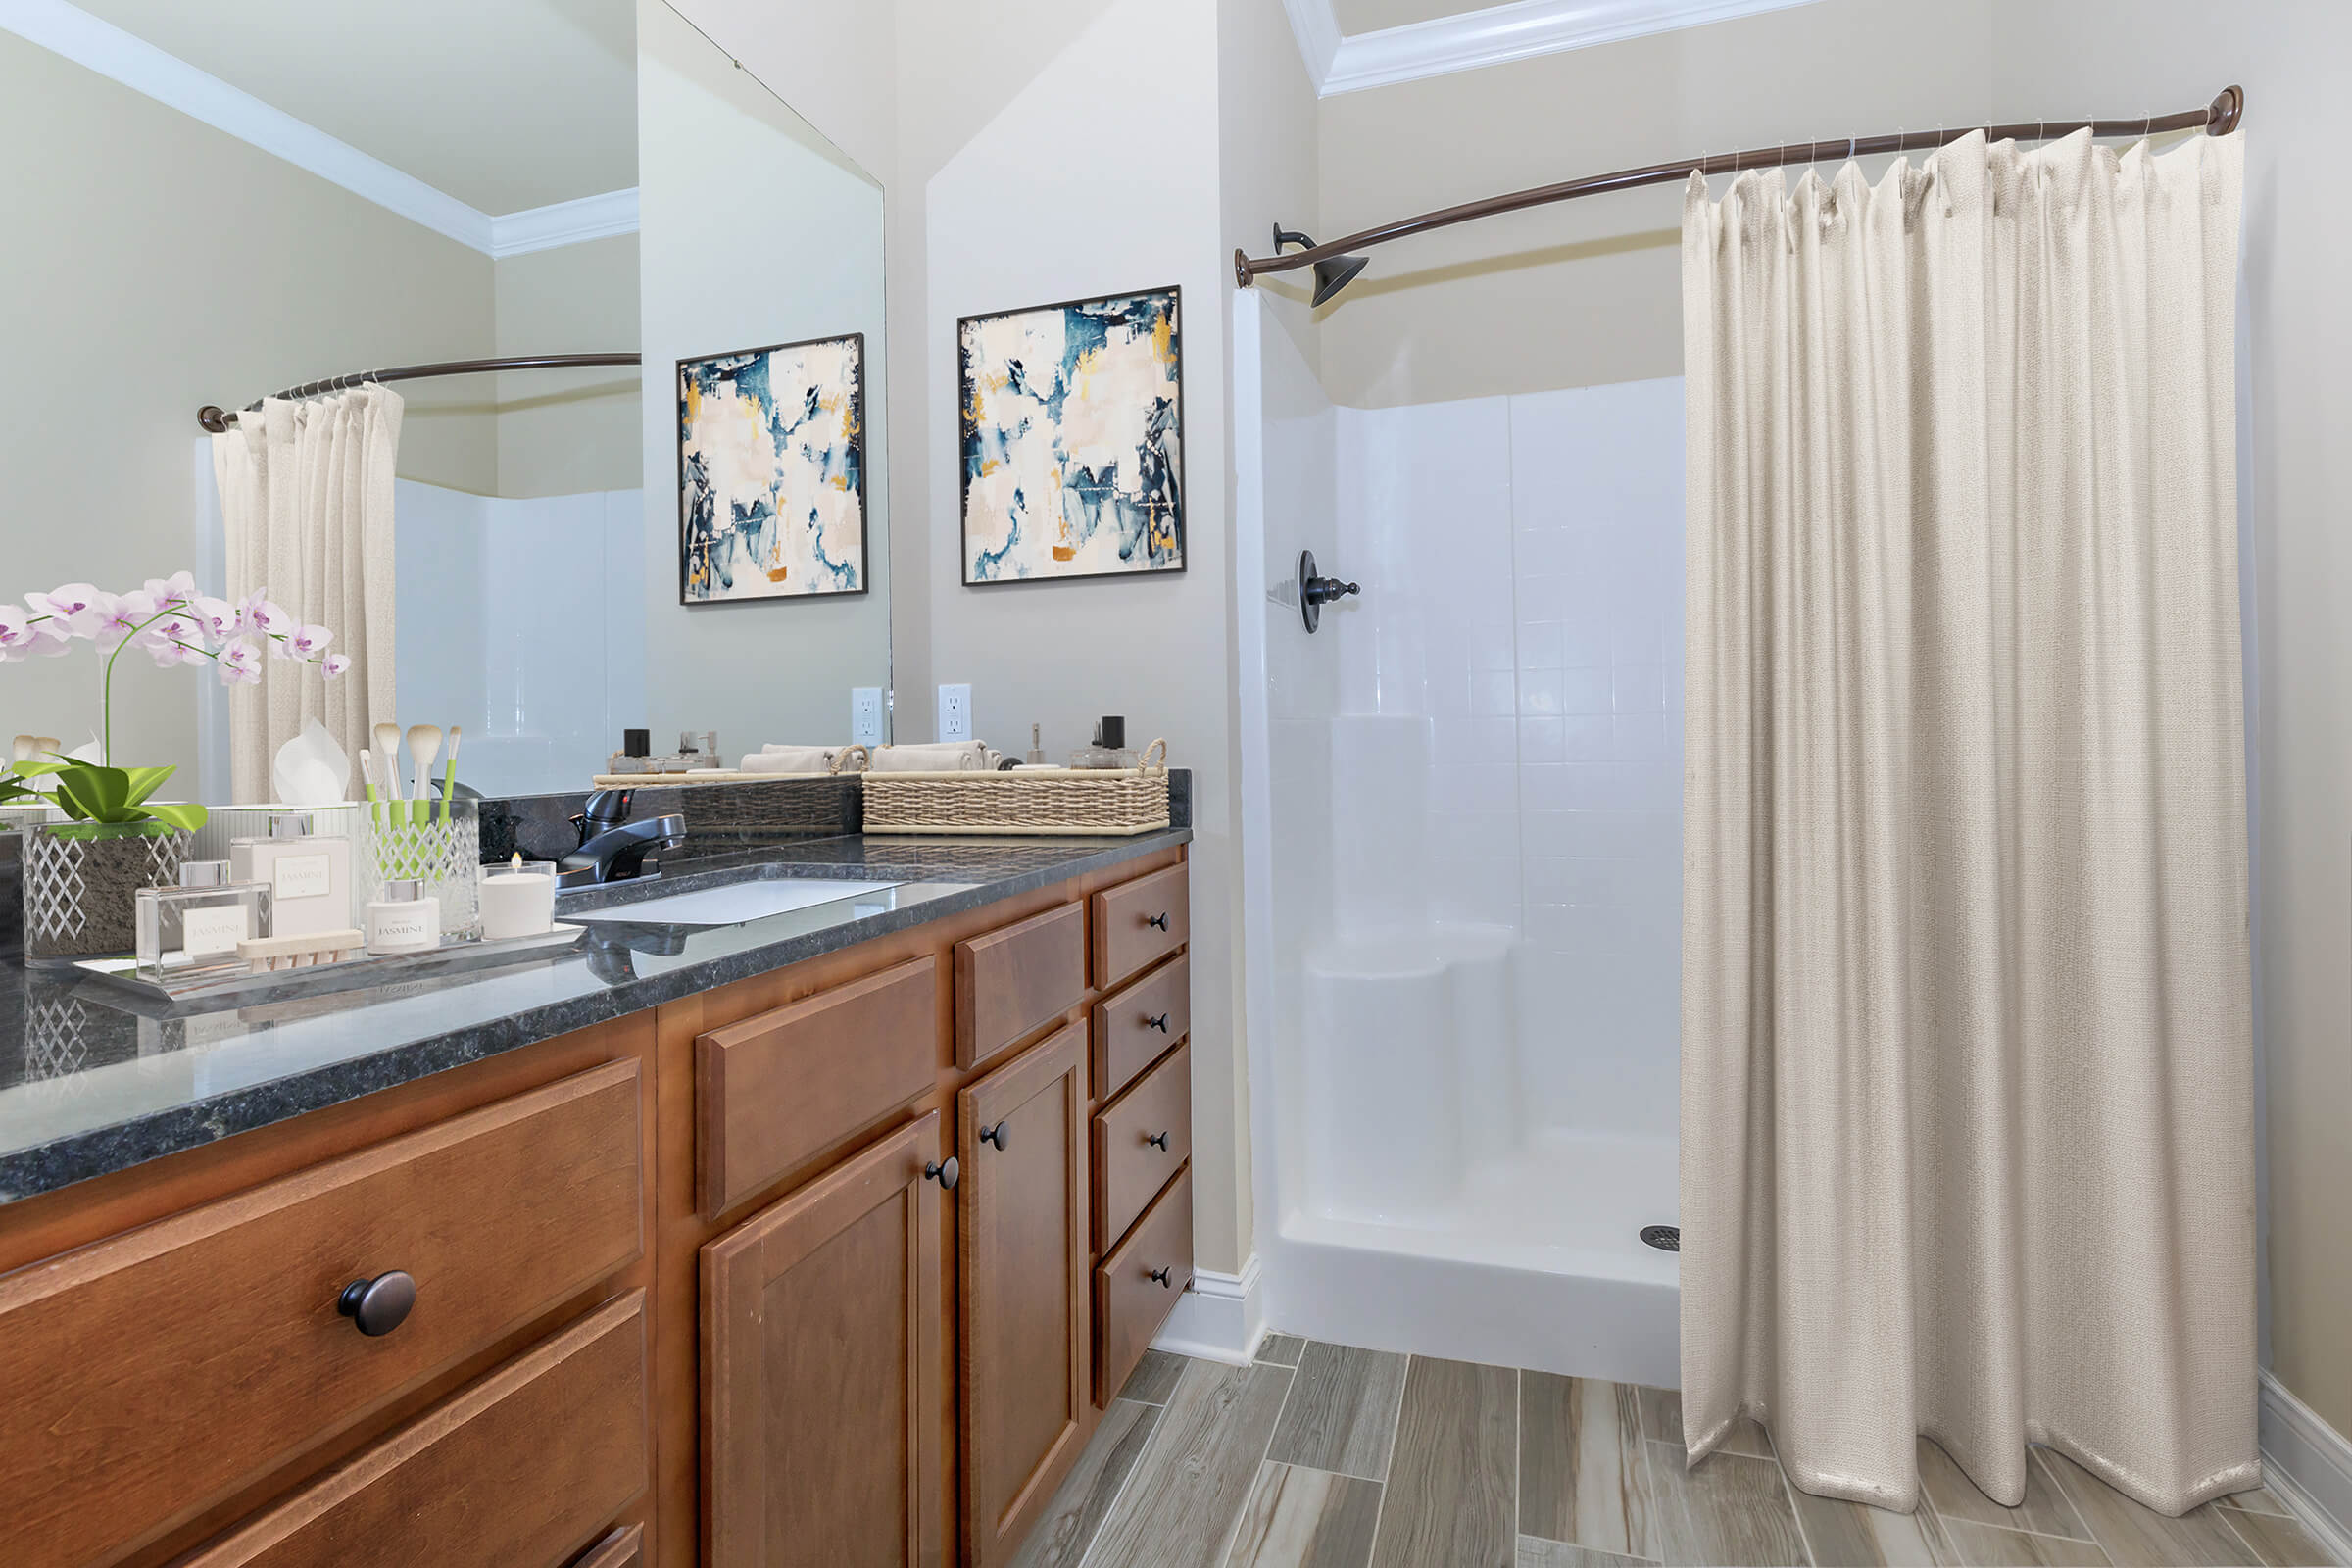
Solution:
(1350, 45)
(502, 104)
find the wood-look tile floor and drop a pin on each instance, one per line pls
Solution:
(1323, 1456)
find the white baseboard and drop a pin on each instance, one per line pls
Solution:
(1221, 1318)
(2308, 1464)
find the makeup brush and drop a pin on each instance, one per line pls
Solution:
(424, 743)
(387, 747)
(449, 775)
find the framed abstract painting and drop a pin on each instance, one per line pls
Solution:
(771, 473)
(1073, 439)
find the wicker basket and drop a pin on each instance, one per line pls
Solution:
(1066, 801)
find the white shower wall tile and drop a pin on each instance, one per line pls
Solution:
(1522, 562)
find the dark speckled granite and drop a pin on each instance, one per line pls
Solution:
(90, 1085)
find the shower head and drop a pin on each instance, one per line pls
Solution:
(1331, 275)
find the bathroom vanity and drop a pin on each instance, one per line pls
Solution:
(816, 1237)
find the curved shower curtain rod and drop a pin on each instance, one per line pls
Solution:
(217, 420)
(2219, 118)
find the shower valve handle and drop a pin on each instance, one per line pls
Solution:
(1323, 590)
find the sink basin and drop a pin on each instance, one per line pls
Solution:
(733, 903)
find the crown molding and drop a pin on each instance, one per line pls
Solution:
(544, 228)
(1491, 36)
(69, 31)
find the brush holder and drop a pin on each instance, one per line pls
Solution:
(439, 847)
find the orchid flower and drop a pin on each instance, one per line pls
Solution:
(240, 663)
(170, 622)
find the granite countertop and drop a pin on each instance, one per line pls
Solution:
(95, 1079)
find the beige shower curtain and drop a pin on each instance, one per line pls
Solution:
(306, 489)
(1966, 1141)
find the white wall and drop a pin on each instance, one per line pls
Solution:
(755, 231)
(562, 432)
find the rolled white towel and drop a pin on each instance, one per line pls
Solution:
(939, 757)
(795, 759)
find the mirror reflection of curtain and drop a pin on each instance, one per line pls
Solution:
(306, 491)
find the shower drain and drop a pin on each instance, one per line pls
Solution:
(1665, 1238)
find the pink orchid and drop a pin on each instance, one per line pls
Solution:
(123, 616)
(240, 663)
(270, 621)
(176, 639)
(76, 607)
(17, 630)
(335, 664)
(222, 620)
(174, 591)
(311, 641)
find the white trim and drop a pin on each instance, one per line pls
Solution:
(1221, 1318)
(544, 228)
(122, 57)
(2308, 1465)
(1317, 31)
(1490, 36)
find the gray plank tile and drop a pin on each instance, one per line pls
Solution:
(2261, 1500)
(2044, 1511)
(1662, 1422)
(1537, 1552)
(1085, 1496)
(1188, 1487)
(1282, 1349)
(1584, 1475)
(1301, 1518)
(2137, 1536)
(1341, 1412)
(1153, 1378)
(1851, 1534)
(1989, 1547)
(1451, 1480)
(1731, 1509)
(2276, 1540)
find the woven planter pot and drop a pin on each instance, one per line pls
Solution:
(80, 879)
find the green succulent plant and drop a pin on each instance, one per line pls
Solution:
(99, 796)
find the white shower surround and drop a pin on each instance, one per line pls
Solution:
(1463, 925)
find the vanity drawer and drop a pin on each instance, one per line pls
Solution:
(1133, 1028)
(1010, 983)
(1139, 921)
(623, 1549)
(151, 1374)
(777, 1090)
(1129, 1169)
(1130, 1302)
(522, 1468)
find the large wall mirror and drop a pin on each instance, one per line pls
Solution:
(228, 205)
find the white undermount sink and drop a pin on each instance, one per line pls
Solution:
(733, 903)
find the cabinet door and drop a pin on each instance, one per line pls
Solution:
(821, 1419)
(1026, 1302)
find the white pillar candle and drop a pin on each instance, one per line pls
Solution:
(517, 903)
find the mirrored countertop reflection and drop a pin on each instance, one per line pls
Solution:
(95, 1079)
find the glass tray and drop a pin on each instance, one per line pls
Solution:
(367, 969)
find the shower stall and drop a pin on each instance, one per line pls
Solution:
(1463, 927)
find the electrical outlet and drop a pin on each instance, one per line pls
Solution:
(865, 716)
(954, 713)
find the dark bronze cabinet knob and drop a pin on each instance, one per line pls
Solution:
(945, 1172)
(1157, 1141)
(1160, 1023)
(1166, 1277)
(998, 1133)
(380, 1304)
(1161, 920)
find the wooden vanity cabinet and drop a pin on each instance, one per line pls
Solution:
(1026, 1329)
(800, 1270)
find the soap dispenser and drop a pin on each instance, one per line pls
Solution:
(307, 874)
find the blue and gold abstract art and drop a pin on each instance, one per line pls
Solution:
(1073, 439)
(771, 471)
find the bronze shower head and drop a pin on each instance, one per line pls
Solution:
(1331, 275)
